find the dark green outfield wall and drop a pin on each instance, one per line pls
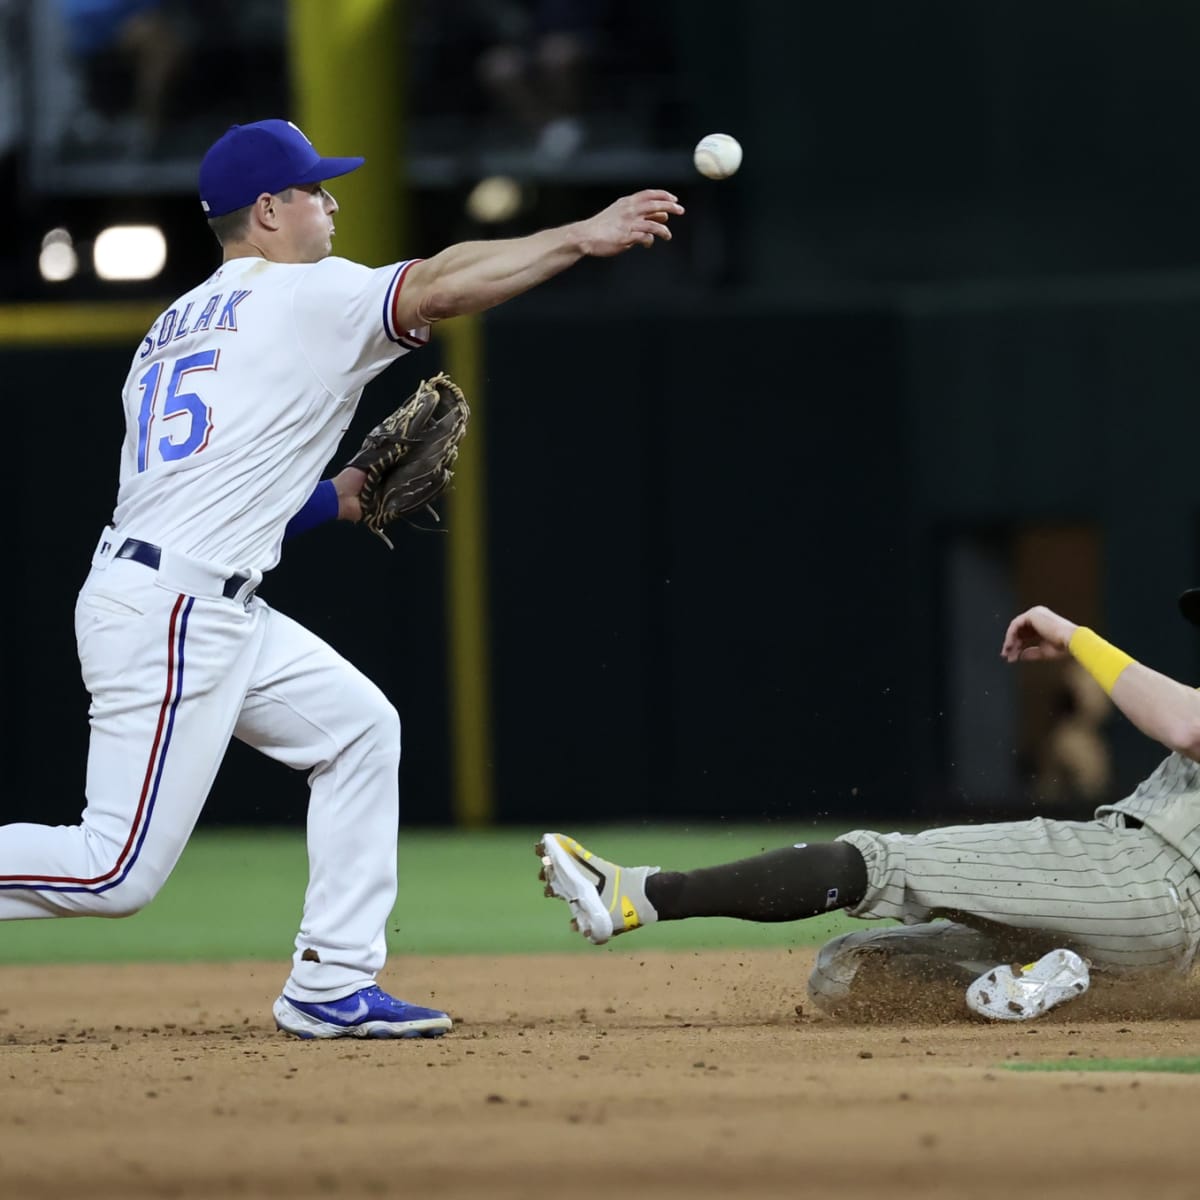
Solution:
(713, 543)
(719, 568)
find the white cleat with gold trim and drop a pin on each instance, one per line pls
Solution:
(605, 899)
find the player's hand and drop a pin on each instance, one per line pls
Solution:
(348, 483)
(1037, 636)
(631, 221)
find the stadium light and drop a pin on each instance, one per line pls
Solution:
(57, 261)
(129, 252)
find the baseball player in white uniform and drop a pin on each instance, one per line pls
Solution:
(235, 400)
(1120, 892)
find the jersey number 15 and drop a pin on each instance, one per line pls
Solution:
(181, 439)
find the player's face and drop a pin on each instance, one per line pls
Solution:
(308, 221)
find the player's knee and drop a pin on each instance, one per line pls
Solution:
(129, 897)
(384, 722)
(382, 725)
(389, 723)
(370, 728)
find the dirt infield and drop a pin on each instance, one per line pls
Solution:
(594, 1075)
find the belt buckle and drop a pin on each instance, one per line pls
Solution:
(234, 584)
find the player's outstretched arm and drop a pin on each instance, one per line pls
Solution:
(472, 276)
(1161, 707)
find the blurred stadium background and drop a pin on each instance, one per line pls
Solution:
(742, 519)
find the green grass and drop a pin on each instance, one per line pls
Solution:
(237, 895)
(1176, 1066)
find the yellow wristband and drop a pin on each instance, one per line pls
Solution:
(1102, 661)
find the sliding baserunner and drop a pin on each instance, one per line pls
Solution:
(1015, 912)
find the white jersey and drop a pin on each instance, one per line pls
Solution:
(239, 395)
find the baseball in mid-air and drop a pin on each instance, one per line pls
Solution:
(717, 155)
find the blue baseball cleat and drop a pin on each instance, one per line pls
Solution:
(367, 1013)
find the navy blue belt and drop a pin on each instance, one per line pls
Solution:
(149, 555)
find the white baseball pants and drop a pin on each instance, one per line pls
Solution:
(175, 670)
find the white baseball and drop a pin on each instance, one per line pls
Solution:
(717, 155)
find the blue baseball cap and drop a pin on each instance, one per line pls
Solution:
(267, 156)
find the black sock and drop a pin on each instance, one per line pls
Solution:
(781, 885)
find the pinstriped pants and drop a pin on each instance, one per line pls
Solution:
(1120, 896)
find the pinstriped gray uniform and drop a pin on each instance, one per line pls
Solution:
(1121, 889)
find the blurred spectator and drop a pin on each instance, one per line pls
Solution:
(1073, 760)
(528, 60)
(12, 132)
(128, 53)
(536, 67)
(11, 86)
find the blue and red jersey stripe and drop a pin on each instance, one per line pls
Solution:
(391, 326)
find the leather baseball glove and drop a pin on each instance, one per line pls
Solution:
(409, 456)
